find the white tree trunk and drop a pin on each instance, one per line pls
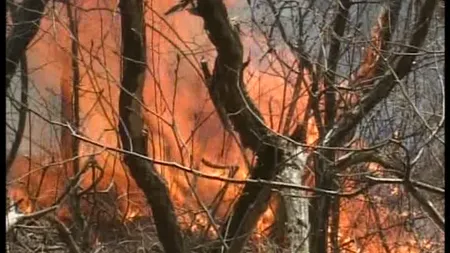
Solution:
(297, 221)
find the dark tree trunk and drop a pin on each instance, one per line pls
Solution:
(28, 18)
(235, 107)
(23, 100)
(132, 131)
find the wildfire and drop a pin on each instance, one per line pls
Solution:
(190, 120)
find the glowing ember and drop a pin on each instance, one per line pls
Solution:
(132, 214)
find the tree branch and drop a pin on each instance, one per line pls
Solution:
(227, 90)
(402, 66)
(332, 62)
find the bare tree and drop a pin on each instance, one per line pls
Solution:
(132, 129)
(225, 126)
(381, 74)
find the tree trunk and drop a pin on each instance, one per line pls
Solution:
(28, 18)
(11, 156)
(132, 132)
(297, 213)
(235, 107)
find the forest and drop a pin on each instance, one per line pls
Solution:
(225, 126)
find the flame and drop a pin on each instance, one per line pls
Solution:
(132, 214)
(19, 195)
(264, 223)
(185, 133)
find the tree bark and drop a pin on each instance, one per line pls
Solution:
(297, 213)
(390, 73)
(227, 91)
(28, 18)
(23, 100)
(132, 131)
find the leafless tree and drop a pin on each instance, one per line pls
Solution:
(336, 114)
(266, 126)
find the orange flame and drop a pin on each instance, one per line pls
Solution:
(181, 119)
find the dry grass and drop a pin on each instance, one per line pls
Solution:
(139, 235)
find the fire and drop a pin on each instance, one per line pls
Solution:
(265, 223)
(132, 214)
(17, 195)
(182, 122)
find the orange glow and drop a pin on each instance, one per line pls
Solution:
(25, 205)
(184, 133)
(132, 214)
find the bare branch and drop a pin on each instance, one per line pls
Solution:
(383, 87)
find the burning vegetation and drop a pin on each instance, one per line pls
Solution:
(225, 134)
